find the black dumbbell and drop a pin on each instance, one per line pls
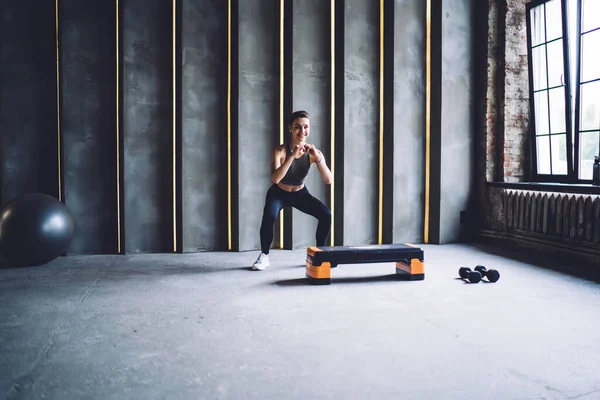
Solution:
(492, 275)
(472, 276)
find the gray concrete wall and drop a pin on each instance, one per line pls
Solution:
(361, 129)
(311, 92)
(147, 125)
(456, 120)
(258, 106)
(28, 116)
(204, 125)
(88, 89)
(409, 120)
(88, 84)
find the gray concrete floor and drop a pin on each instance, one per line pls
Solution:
(203, 326)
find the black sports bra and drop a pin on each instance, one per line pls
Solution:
(298, 170)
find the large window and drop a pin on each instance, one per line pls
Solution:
(564, 71)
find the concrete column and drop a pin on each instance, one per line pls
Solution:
(88, 119)
(258, 106)
(452, 144)
(409, 73)
(312, 93)
(204, 125)
(147, 125)
(361, 122)
(29, 129)
(457, 92)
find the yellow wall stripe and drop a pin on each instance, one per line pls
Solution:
(229, 233)
(281, 120)
(118, 140)
(427, 119)
(332, 118)
(381, 17)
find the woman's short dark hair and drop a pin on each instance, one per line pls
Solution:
(298, 114)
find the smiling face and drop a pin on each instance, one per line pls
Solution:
(300, 129)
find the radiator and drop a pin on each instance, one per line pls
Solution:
(574, 217)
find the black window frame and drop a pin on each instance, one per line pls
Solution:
(571, 175)
(578, 84)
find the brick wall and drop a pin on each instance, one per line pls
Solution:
(503, 141)
(507, 115)
(492, 95)
(516, 91)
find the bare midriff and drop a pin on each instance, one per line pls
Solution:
(290, 188)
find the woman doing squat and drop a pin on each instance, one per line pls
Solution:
(290, 164)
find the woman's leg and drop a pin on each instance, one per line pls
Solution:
(273, 204)
(310, 205)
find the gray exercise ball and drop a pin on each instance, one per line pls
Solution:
(35, 228)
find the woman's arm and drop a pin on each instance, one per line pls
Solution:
(324, 170)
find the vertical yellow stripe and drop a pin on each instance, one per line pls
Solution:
(332, 121)
(118, 140)
(58, 104)
(174, 37)
(380, 237)
(281, 121)
(427, 118)
(229, 233)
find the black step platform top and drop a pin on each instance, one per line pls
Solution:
(364, 254)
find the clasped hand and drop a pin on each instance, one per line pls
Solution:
(307, 148)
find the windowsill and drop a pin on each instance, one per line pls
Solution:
(579, 188)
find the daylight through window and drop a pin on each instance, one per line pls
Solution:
(564, 70)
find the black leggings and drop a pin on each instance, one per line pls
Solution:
(302, 200)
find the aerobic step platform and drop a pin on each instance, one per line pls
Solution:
(409, 260)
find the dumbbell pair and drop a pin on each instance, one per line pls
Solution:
(480, 272)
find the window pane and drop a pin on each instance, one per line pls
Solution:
(573, 29)
(537, 26)
(539, 68)
(559, 154)
(541, 113)
(590, 106)
(590, 15)
(555, 64)
(553, 19)
(557, 111)
(589, 148)
(590, 56)
(543, 154)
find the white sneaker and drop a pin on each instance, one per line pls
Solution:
(262, 262)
